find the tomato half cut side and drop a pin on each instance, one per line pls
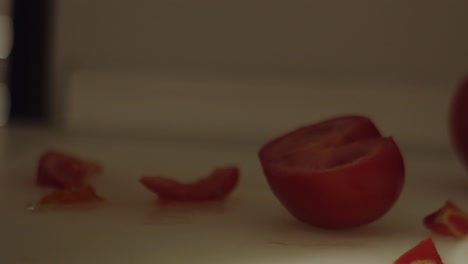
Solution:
(449, 220)
(217, 185)
(83, 195)
(328, 133)
(63, 171)
(340, 174)
(425, 252)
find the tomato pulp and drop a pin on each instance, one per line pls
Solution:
(449, 220)
(335, 174)
(82, 195)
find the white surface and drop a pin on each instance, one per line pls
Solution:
(142, 103)
(6, 36)
(5, 7)
(250, 227)
(336, 39)
(393, 38)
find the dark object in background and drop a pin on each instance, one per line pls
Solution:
(29, 59)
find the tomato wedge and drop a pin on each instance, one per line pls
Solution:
(335, 174)
(62, 171)
(82, 195)
(425, 252)
(217, 185)
(449, 220)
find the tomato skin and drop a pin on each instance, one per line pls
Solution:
(216, 186)
(422, 253)
(338, 197)
(458, 121)
(64, 171)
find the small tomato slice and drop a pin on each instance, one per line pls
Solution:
(425, 252)
(449, 220)
(215, 186)
(63, 171)
(335, 174)
(82, 195)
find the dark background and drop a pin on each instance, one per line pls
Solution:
(29, 60)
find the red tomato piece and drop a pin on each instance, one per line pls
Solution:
(449, 220)
(215, 186)
(328, 133)
(425, 252)
(61, 170)
(339, 173)
(458, 121)
(82, 195)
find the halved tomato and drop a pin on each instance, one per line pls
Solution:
(215, 186)
(61, 170)
(339, 173)
(425, 252)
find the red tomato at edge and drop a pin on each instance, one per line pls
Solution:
(458, 121)
(339, 173)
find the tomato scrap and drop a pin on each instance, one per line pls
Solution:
(82, 195)
(425, 252)
(217, 185)
(335, 174)
(449, 220)
(63, 171)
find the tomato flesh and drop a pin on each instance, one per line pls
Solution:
(320, 136)
(217, 185)
(425, 252)
(449, 220)
(340, 173)
(63, 171)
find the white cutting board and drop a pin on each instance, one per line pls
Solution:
(249, 227)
